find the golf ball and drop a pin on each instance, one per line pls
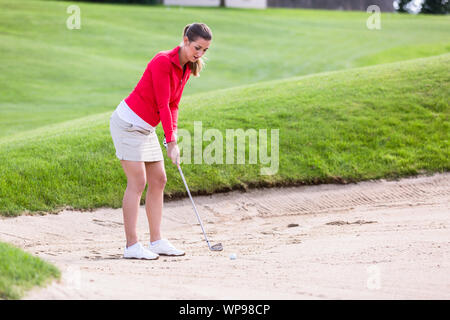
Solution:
(233, 256)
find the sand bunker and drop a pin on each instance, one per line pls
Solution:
(370, 240)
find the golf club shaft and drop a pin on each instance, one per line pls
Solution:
(193, 204)
(190, 197)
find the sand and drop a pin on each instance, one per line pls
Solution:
(369, 240)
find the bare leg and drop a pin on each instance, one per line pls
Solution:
(136, 181)
(156, 177)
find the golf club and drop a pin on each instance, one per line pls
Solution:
(216, 247)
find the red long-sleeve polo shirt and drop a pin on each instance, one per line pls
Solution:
(157, 94)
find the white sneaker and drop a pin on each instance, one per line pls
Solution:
(137, 251)
(164, 248)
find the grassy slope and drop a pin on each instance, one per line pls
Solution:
(19, 271)
(49, 74)
(384, 121)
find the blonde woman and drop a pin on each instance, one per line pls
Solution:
(154, 99)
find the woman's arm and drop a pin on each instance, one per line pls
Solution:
(160, 69)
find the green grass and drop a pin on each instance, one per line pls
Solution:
(374, 122)
(50, 74)
(20, 271)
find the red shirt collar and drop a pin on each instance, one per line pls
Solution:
(175, 58)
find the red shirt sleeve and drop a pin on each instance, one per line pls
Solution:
(160, 69)
(174, 109)
(174, 112)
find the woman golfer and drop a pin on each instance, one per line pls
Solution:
(155, 98)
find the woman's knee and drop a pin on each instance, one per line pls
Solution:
(158, 180)
(137, 184)
(136, 178)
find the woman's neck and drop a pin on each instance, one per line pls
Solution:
(183, 59)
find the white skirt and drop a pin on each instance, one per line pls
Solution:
(133, 142)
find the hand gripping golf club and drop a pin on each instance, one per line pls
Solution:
(216, 247)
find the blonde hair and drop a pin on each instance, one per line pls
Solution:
(194, 31)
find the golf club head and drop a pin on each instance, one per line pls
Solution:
(216, 247)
